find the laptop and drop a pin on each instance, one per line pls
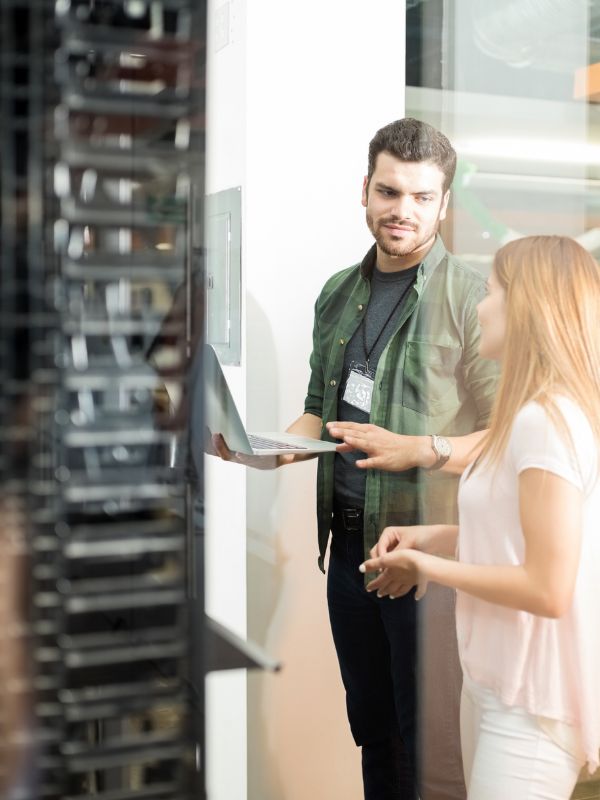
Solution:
(221, 416)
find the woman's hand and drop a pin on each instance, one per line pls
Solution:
(396, 557)
(398, 573)
(399, 537)
(438, 539)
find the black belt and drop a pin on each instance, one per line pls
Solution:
(350, 520)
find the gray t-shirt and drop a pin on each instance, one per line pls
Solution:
(389, 291)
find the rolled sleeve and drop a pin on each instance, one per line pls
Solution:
(313, 403)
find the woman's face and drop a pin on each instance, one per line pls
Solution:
(492, 319)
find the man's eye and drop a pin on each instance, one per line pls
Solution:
(424, 198)
(387, 192)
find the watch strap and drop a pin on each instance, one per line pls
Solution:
(442, 449)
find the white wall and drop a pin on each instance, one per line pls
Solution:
(294, 100)
(321, 78)
(225, 485)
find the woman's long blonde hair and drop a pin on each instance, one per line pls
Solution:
(552, 341)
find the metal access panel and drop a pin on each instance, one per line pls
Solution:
(224, 273)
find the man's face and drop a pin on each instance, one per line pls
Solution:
(405, 203)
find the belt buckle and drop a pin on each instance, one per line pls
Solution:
(352, 519)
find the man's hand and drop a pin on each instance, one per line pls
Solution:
(217, 446)
(306, 425)
(393, 452)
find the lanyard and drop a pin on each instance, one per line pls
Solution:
(390, 315)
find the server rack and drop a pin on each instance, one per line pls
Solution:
(102, 105)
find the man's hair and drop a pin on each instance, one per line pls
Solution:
(410, 139)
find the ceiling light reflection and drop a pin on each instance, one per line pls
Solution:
(560, 151)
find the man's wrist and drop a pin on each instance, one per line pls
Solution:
(442, 449)
(426, 457)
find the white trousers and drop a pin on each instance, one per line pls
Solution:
(506, 755)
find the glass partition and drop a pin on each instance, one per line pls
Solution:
(508, 83)
(515, 86)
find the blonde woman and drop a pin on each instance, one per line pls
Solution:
(528, 568)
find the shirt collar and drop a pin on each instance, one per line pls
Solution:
(426, 267)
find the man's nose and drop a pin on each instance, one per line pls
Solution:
(404, 207)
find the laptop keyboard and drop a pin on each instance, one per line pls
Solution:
(260, 443)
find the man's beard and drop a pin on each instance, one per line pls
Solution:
(396, 248)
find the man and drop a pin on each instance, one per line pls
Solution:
(395, 345)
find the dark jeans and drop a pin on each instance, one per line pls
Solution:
(377, 642)
(375, 639)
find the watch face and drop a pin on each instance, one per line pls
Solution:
(443, 447)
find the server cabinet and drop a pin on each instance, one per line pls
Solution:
(100, 311)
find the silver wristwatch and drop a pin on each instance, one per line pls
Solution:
(442, 449)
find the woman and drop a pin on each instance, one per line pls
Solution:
(528, 568)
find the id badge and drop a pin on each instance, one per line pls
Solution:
(359, 387)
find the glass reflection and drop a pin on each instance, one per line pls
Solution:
(514, 86)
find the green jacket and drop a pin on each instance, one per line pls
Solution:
(430, 379)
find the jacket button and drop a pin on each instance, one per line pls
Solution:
(342, 341)
(360, 306)
(332, 383)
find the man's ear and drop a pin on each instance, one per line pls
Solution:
(444, 206)
(365, 190)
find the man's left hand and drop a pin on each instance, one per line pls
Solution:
(393, 452)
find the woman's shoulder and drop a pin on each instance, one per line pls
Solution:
(554, 433)
(538, 415)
